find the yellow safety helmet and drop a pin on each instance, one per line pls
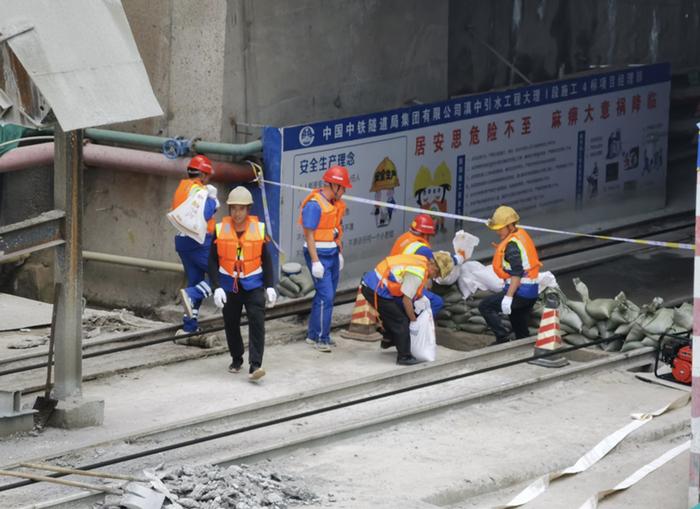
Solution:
(239, 196)
(443, 176)
(503, 216)
(444, 262)
(423, 180)
(385, 176)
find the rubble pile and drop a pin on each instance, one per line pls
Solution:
(239, 487)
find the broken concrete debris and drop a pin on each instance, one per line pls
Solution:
(235, 487)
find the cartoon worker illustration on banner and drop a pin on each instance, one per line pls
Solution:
(431, 190)
(383, 183)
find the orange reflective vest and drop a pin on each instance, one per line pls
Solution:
(240, 257)
(528, 254)
(392, 269)
(330, 229)
(186, 188)
(408, 243)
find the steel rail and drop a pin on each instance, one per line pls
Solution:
(336, 406)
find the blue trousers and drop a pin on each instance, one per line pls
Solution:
(322, 304)
(436, 302)
(195, 261)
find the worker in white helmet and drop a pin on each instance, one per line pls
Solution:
(517, 263)
(240, 268)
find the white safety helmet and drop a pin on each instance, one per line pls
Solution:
(239, 196)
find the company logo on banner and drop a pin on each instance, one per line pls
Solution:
(565, 154)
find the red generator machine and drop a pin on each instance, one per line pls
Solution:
(676, 351)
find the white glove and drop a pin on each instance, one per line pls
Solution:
(271, 295)
(211, 191)
(219, 297)
(505, 304)
(421, 305)
(317, 270)
(341, 261)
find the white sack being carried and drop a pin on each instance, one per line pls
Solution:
(546, 280)
(188, 218)
(450, 278)
(423, 346)
(477, 276)
(464, 243)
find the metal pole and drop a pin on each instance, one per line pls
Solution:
(694, 487)
(68, 263)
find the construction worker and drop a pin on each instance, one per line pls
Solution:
(240, 268)
(321, 218)
(194, 255)
(516, 262)
(417, 241)
(393, 287)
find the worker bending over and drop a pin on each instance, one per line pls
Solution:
(194, 255)
(393, 287)
(516, 262)
(321, 218)
(240, 268)
(417, 241)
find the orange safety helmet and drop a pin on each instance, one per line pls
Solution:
(201, 163)
(424, 224)
(338, 175)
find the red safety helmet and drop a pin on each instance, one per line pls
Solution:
(201, 163)
(424, 224)
(338, 175)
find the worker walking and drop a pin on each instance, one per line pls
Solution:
(516, 262)
(321, 218)
(194, 255)
(240, 268)
(392, 288)
(417, 241)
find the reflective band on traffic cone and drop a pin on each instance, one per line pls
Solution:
(549, 335)
(363, 324)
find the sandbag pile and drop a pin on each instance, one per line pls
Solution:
(296, 281)
(459, 313)
(590, 319)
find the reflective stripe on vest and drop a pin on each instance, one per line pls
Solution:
(528, 255)
(240, 257)
(397, 267)
(329, 227)
(408, 243)
(185, 189)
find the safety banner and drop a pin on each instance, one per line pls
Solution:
(564, 154)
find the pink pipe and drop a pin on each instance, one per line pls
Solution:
(122, 159)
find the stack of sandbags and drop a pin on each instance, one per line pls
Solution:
(296, 281)
(459, 313)
(590, 319)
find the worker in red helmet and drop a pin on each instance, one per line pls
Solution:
(321, 219)
(195, 256)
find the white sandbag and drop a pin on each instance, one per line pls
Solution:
(636, 333)
(590, 332)
(624, 328)
(464, 243)
(476, 276)
(659, 322)
(683, 316)
(570, 318)
(627, 311)
(582, 289)
(575, 339)
(631, 345)
(450, 278)
(423, 346)
(546, 280)
(601, 309)
(579, 308)
(188, 217)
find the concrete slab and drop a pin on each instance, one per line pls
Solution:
(19, 313)
(78, 413)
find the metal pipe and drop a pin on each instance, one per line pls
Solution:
(130, 261)
(122, 159)
(202, 147)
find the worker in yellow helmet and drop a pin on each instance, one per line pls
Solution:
(517, 263)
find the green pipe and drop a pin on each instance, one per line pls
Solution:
(202, 147)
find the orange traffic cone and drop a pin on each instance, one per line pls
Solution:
(363, 323)
(549, 335)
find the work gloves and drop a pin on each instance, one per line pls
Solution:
(271, 296)
(219, 297)
(341, 261)
(317, 270)
(211, 193)
(421, 304)
(506, 303)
